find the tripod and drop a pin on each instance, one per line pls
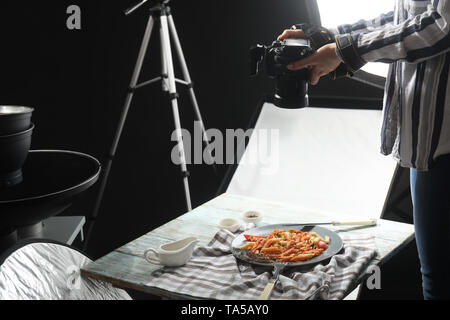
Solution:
(162, 14)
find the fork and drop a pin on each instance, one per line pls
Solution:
(279, 267)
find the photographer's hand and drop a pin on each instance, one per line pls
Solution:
(291, 34)
(321, 63)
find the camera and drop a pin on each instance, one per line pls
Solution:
(291, 87)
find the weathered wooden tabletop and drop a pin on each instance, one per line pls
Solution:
(127, 268)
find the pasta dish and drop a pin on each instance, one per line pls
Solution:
(286, 246)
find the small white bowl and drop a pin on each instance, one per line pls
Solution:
(252, 217)
(230, 224)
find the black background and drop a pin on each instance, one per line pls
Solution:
(77, 81)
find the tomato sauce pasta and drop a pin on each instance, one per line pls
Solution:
(286, 245)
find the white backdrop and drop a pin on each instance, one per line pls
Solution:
(325, 160)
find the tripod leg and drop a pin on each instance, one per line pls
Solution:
(134, 80)
(188, 79)
(125, 110)
(165, 43)
(164, 74)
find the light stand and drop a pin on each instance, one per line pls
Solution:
(161, 13)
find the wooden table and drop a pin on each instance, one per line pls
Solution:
(127, 268)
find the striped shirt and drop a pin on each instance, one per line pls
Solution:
(415, 39)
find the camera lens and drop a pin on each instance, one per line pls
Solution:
(291, 90)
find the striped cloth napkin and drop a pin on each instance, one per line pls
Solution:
(214, 273)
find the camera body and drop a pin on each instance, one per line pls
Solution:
(291, 87)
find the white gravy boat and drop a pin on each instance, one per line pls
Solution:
(174, 254)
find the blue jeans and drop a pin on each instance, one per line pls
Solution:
(430, 192)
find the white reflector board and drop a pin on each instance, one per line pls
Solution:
(319, 159)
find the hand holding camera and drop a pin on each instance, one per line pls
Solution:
(300, 55)
(321, 63)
